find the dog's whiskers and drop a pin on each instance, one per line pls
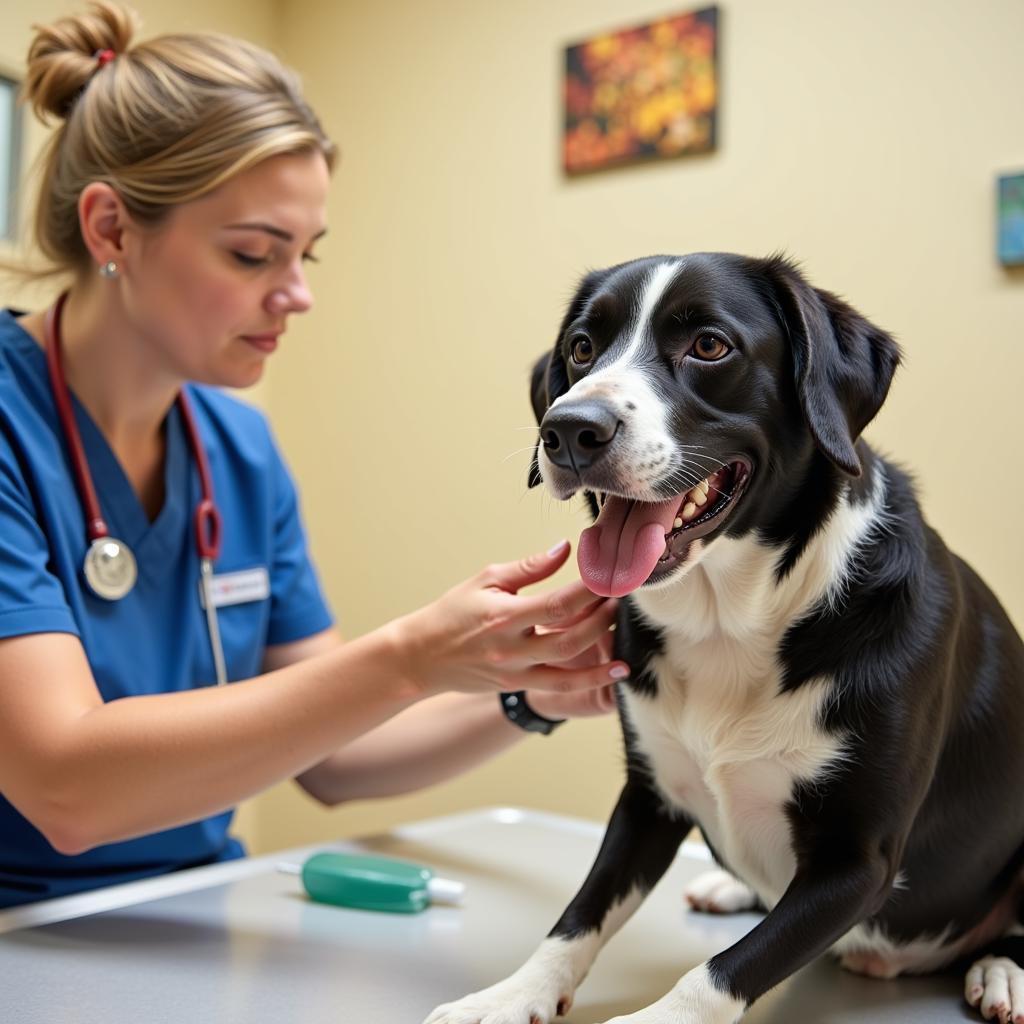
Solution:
(518, 451)
(684, 475)
(691, 454)
(681, 476)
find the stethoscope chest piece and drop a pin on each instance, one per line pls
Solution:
(110, 568)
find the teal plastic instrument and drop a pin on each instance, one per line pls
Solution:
(370, 882)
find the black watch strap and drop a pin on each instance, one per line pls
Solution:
(519, 712)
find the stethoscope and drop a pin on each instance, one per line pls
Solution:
(109, 567)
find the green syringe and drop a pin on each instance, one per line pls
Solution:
(371, 882)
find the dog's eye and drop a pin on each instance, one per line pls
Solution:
(710, 348)
(582, 351)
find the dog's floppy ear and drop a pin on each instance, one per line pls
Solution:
(539, 385)
(549, 378)
(844, 363)
(540, 403)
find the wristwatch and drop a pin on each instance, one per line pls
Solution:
(520, 713)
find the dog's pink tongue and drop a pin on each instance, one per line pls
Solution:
(619, 552)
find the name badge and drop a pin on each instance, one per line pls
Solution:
(238, 587)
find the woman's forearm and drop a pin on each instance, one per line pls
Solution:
(86, 772)
(424, 745)
(143, 764)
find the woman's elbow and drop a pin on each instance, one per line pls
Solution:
(64, 823)
(320, 789)
(69, 838)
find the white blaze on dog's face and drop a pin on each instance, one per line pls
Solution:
(676, 389)
(646, 449)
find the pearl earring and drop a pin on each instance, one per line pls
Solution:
(108, 269)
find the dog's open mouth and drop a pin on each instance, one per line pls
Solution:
(637, 542)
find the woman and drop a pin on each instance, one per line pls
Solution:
(180, 196)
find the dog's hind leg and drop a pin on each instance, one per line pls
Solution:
(718, 892)
(995, 982)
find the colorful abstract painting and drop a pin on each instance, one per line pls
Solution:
(642, 93)
(1011, 220)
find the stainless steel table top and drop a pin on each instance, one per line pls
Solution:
(240, 943)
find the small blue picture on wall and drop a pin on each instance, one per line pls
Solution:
(1011, 220)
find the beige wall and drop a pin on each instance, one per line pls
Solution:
(862, 138)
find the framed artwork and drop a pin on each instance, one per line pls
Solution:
(10, 155)
(1011, 220)
(642, 93)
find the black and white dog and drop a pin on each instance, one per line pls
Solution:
(819, 684)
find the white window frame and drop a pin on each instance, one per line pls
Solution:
(11, 150)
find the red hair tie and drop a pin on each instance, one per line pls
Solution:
(104, 57)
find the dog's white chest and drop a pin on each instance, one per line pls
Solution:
(728, 748)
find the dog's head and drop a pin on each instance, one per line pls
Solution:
(687, 395)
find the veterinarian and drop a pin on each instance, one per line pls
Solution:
(150, 537)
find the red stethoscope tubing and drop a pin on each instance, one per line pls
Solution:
(207, 515)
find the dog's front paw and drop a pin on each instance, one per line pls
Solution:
(718, 892)
(655, 1014)
(695, 1000)
(527, 997)
(503, 1003)
(995, 984)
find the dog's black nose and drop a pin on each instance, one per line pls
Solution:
(576, 436)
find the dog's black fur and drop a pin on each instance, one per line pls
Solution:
(927, 671)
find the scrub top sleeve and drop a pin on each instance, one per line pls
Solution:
(298, 608)
(32, 598)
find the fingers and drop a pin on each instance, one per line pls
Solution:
(511, 576)
(592, 657)
(562, 607)
(570, 643)
(582, 704)
(595, 702)
(565, 680)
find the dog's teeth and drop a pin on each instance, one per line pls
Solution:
(689, 510)
(698, 497)
(676, 523)
(705, 487)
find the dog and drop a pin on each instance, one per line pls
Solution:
(824, 689)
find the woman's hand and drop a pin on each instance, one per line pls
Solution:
(483, 636)
(581, 703)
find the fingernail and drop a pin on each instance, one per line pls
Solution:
(618, 672)
(557, 549)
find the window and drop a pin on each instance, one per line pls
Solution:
(10, 155)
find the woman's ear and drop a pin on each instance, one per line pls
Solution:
(102, 219)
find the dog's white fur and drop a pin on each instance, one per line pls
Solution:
(724, 744)
(648, 446)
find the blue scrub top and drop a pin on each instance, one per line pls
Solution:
(154, 640)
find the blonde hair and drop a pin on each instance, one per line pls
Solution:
(163, 122)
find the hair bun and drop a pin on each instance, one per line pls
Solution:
(62, 57)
